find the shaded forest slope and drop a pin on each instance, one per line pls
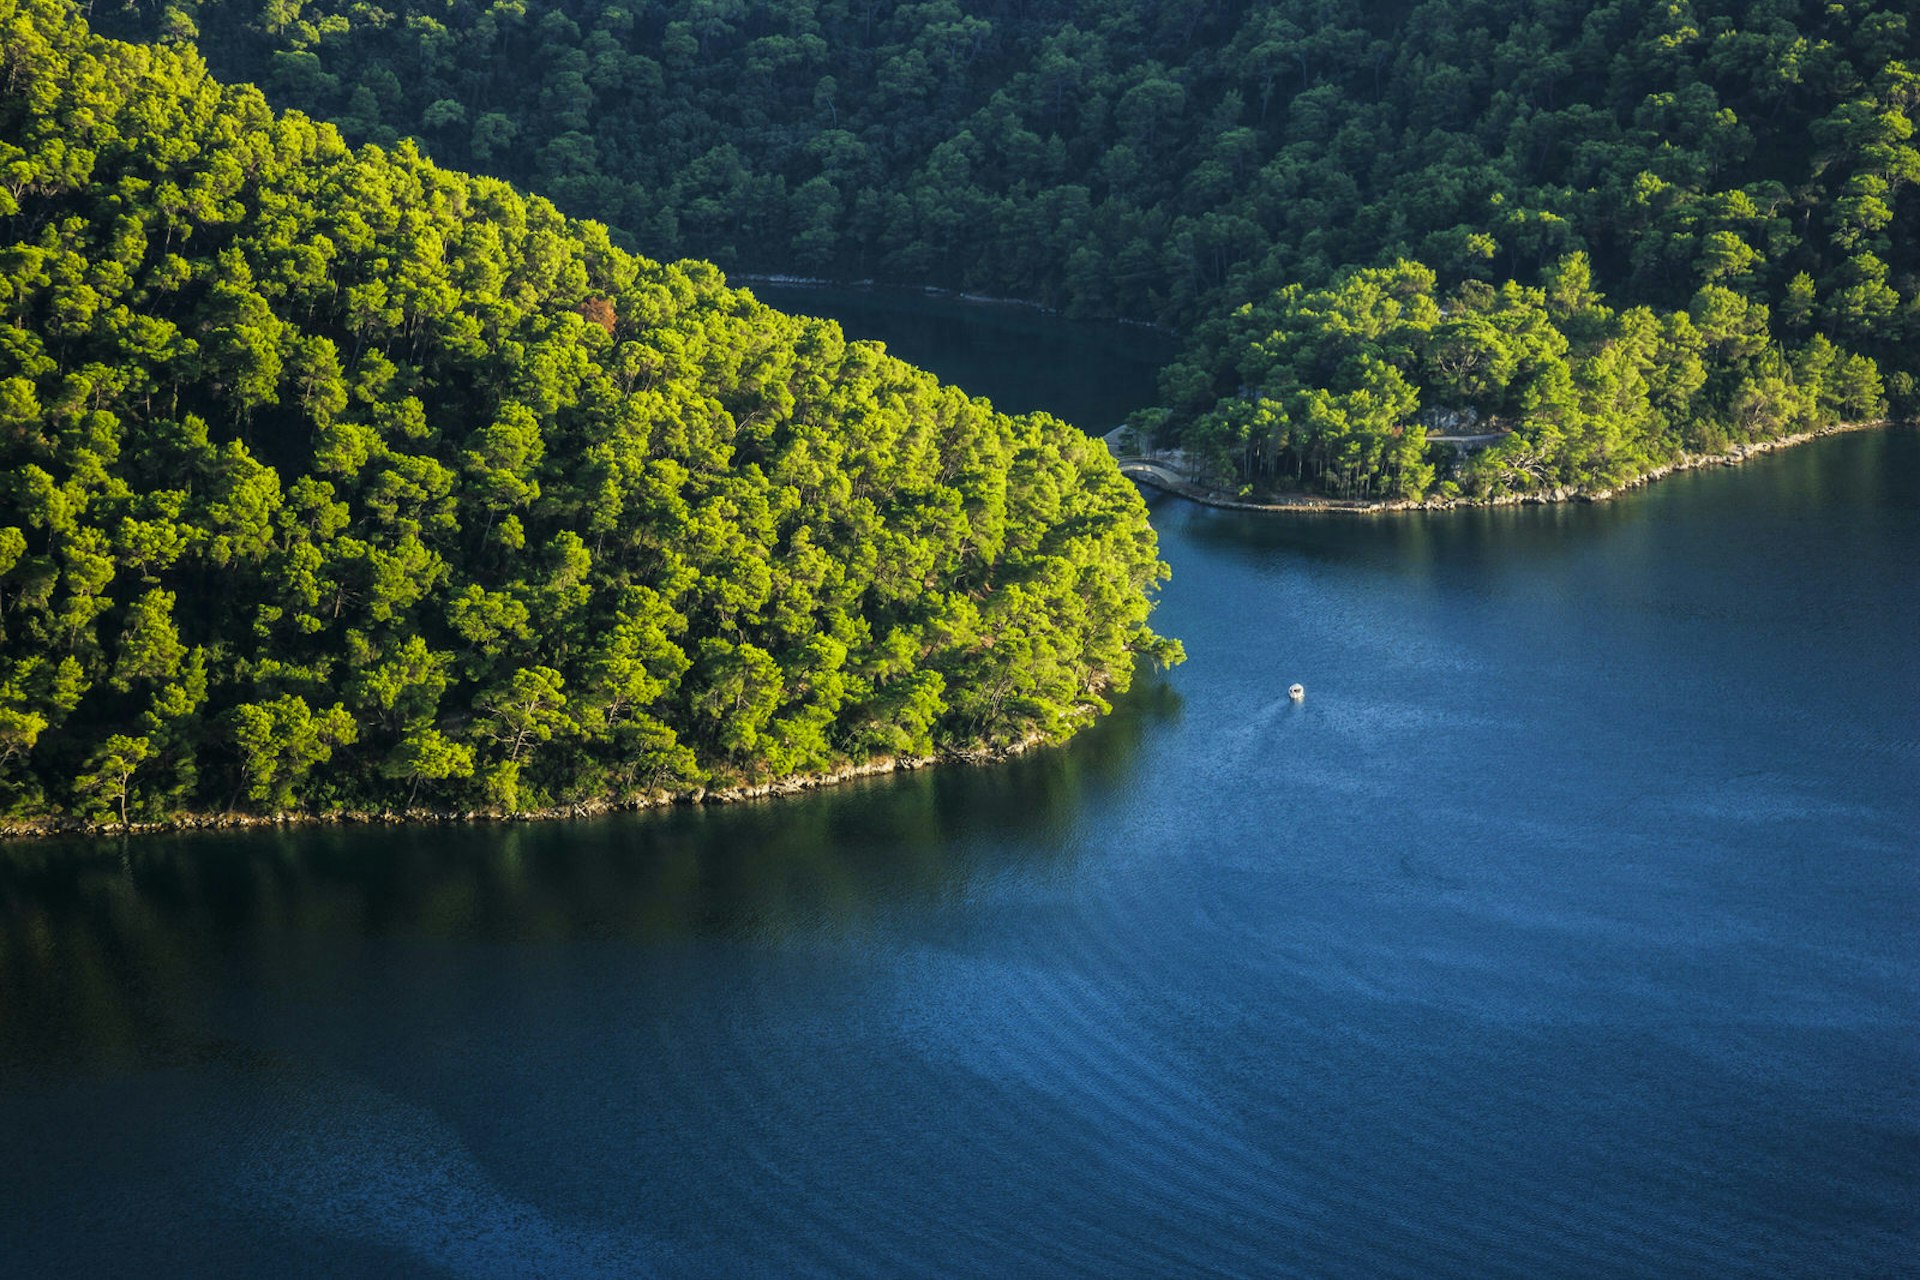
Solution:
(1619, 232)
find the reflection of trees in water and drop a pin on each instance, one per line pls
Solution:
(114, 953)
(1408, 542)
(1090, 373)
(1814, 477)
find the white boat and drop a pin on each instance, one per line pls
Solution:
(1298, 692)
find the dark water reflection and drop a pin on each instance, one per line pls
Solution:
(88, 927)
(1566, 929)
(1090, 373)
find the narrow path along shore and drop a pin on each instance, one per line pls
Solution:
(1162, 472)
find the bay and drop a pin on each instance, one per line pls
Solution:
(1565, 929)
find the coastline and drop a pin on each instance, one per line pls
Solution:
(1142, 471)
(792, 784)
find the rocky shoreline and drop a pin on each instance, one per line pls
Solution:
(797, 783)
(793, 784)
(1310, 504)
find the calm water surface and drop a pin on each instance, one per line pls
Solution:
(1020, 357)
(1567, 929)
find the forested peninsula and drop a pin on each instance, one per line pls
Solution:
(333, 480)
(1589, 238)
(338, 480)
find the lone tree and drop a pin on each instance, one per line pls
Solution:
(109, 782)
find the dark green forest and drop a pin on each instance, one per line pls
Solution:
(331, 478)
(1608, 233)
(338, 478)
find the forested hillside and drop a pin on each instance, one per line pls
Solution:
(1610, 232)
(334, 478)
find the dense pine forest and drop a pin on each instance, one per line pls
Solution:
(337, 478)
(331, 478)
(1607, 233)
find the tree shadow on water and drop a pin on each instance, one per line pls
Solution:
(107, 946)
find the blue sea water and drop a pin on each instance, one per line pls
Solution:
(1567, 928)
